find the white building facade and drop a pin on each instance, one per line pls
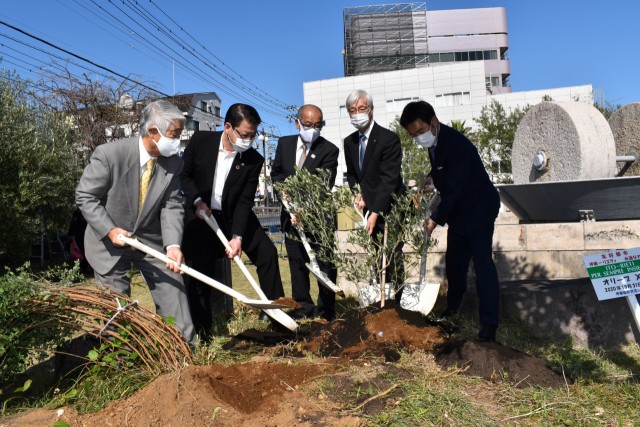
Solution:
(458, 91)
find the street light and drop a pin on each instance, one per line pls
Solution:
(265, 140)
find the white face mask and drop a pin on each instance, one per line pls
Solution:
(426, 140)
(167, 146)
(308, 135)
(360, 121)
(241, 145)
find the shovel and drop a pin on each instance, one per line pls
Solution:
(259, 304)
(312, 265)
(421, 296)
(277, 315)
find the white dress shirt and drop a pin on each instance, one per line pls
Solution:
(144, 156)
(299, 149)
(223, 166)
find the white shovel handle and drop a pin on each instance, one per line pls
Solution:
(195, 274)
(277, 315)
(313, 265)
(211, 221)
(307, 247)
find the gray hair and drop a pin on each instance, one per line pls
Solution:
(356, 95)
(159, 113)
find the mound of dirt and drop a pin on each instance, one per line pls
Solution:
(494, 361)
(371, 331)
(235, 395)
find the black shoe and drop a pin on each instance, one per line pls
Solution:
(487, 334)
(446, 315)
(297, 314)
(263, 316)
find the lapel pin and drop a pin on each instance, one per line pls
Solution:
(313, 156)
(237, 167)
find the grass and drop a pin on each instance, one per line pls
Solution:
(415, 391)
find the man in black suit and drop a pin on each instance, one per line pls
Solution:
(374, 159)
(308, 150)
(469, 205)
(220, 176)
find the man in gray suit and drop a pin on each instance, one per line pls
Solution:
(132, 187)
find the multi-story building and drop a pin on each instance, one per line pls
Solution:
(404, 36)
(454, 59)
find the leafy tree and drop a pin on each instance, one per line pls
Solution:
(39, 169)
(495, 135)
(460, 126)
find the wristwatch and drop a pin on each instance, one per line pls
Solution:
(235, 236)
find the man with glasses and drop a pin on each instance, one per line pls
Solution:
(220, 177)
(307, 150)
(131, 187)
(374, 159)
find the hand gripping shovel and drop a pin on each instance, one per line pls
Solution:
(277, 315)
(260, 304)
(421, 296)
(312, 265)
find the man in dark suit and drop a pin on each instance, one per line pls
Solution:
(131, 187)
(308, 150)
(374, 159)
(220, 176)
(469, 205)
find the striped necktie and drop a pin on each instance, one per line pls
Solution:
(145, 181)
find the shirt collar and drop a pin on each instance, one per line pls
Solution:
(144, 154)
(368, 131)
(301, 143)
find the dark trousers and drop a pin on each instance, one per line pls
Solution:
(208, 256)
(460, 250)
(301, 285)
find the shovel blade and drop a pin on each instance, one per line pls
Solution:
(324, 280)
(420, 297)
(262, 304)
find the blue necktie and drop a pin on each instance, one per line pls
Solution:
(363, 148)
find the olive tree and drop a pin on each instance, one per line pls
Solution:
(39, 169)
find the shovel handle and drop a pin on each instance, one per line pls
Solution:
(211, 221)
(184, 268)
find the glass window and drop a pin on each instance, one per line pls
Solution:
(472, 56)
(343, 111)
(458, 56)
(446, 57)
(465, 56)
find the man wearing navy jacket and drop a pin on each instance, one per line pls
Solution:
(469, 205)
(309, 151)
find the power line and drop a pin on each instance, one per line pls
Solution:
(213, 55)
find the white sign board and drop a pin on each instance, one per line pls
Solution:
(616, 274)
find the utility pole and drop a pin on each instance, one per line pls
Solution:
(265, 140)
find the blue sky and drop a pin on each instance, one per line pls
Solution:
(278, 45)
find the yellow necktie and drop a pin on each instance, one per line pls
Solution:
(144, 182)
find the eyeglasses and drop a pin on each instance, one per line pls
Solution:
(308, 126)
(245, 136)
(360, 110)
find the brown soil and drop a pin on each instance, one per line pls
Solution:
(371, 332)
(275, 394)
(494, 361)
(288, 302)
